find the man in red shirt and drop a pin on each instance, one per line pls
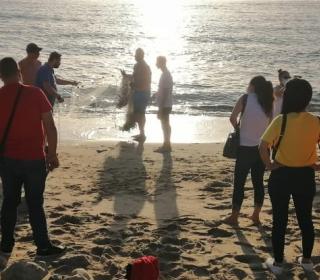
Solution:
(23, 161)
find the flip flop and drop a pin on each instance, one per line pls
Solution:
(306, 266)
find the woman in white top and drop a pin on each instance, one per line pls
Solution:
(255, 110)
(284, 77)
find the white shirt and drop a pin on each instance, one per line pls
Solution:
(253, 123)
(164, 94)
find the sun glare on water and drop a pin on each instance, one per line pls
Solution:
(161, 21)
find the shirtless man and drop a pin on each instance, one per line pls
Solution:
(30, 65)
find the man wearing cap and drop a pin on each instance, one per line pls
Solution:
(47, 80)
(30, 65)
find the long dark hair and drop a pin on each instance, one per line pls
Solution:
(297, 96)
(264, 91)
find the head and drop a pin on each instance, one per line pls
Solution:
(9, 71)
(297, 96)
(283, 76)
(139, 55)
(55, 59)
(161, 62)
(33, 51)
(264, 91)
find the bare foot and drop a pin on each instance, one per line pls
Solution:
(255, 220)
(231, 220)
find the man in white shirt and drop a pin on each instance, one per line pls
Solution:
(164, 102)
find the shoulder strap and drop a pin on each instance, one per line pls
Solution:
(9, 123)
(283, 128)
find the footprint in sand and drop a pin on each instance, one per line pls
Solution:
(216, 232)
(67, 219)
(239, 273)
(249, 259)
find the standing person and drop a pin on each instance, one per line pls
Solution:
(141, 92)
(164, 102)
(23, 160)
(47, 80)
(30, 65)
(278, 90)
(292, 171)
(257, 108)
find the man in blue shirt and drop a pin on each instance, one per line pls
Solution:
(47, 81)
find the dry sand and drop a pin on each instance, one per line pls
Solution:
(111, 202)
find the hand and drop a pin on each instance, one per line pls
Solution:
(60, 98)
(273, 165)
(316, 166)
(52, 161)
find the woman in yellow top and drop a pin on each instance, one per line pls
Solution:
(292, 170)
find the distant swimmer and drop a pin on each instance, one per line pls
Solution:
(47, 80)
(164, 102)
(141, 86)
(30, 65)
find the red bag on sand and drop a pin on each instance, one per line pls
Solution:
(145, 268)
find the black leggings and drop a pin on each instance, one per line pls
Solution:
(299, 183)
(248, 158)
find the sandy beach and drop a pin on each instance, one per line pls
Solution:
(111, 202)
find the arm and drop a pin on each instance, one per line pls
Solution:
(51, 91)
(236, 111)
(52, 138)
(66, 82)
(265, 156)
(264, 153)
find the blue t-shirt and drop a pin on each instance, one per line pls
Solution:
(46, 74)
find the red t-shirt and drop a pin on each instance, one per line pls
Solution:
(26, 136)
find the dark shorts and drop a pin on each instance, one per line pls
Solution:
(140, 101)
(163, 113)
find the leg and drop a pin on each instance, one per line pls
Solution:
(242, 168)
(280, 198)
(303, 201)
(166, 128)
(141, 119)
(35, 177)
(11, 184)
(257, 172)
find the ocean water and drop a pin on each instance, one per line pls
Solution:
(214, 48)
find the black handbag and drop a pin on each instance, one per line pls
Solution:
(232, 144)
(230, 148)
(8, 126)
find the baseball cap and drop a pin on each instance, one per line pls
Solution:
(33, 48)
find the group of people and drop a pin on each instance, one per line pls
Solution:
(141, 94)
(278, 134)
(28, 147)
(28, 135)
(268, 118)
